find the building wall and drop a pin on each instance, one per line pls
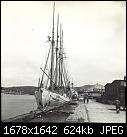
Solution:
(108, 90)
(116, 89)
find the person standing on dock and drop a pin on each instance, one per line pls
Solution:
(87, 99)
(117, 104)
(84, 98)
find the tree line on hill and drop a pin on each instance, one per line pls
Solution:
(23, 89)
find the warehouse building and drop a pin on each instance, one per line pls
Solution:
(115, 90)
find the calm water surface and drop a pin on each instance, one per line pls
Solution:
(13, 105)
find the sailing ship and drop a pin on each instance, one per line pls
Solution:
(54, 89)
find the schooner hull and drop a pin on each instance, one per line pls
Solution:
(47, 99)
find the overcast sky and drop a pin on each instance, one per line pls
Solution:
(94, 38)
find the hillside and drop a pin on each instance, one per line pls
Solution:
(31, 89)
(24, 89)
(89, 87)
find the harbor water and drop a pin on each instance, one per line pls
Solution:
(13, 105)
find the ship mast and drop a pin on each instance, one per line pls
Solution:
(52, 52)
(60, 60)
(56, 79)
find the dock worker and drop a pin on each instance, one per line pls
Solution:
(84, 98)
(117, 103)
(87, 99)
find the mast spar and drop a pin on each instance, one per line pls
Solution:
(52, 53)
(60, 60)
(56, 79)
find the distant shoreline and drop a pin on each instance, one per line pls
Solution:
(13, 94)
(19, 90)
